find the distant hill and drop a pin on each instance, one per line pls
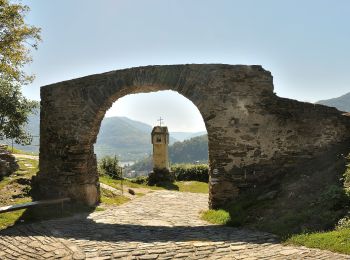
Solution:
(181, 136)
(124, 138)
(342, 103)
(129, 139)
(189, 151)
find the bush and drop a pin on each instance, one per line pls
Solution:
(334, 197)
(110, 166)
(140, 180)
(344, 223)
(191, 172)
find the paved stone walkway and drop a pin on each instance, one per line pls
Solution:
(159, 225)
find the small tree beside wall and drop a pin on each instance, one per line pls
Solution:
(110, 166)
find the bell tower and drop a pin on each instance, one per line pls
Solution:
(161, 170)
(160, 141)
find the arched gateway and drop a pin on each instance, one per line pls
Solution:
(255, 137)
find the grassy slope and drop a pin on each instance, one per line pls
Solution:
(15, 189)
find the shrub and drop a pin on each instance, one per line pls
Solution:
(191, 172)
(334, 197)
(344, 223)
(140, 180)
(110, 166)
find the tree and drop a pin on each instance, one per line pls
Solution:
(16, 41)
(14, 111)
(110, 166)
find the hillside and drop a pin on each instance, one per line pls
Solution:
(121, 137)
(128, 139)
(342, 103)
(189, 151)
(182, 136)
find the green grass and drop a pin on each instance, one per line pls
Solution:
(192, 186)
(117, 183)
(23, 171)
(109, 198)
(336, 241)
(10, 218)
(182, 186)
(220, 217)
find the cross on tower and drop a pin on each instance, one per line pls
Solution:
(160, 121)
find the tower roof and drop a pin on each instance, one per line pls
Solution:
(160, 129)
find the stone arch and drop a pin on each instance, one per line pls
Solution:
(254, 136)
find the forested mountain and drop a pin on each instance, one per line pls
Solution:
(189, 151)
(342, 103)
(122, 137)
(181, 136)
(128, 139)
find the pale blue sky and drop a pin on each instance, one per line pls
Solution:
(305, 44)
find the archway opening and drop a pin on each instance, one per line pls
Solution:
(124, 141)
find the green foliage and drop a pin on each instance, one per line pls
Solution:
(110, 166)
(347, 177)
(189, 151)
(16, 39)
(140, 180)
(14, 112)
(191, 172)
(145, 164)
(220, 217)
(344, 223)
(334, 197)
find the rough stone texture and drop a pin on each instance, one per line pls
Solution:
(170, 229)
(254, 136)
(8, 163)
(159, 176)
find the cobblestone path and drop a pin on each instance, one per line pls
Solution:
(159, 225)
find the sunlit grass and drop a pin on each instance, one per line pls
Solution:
(220, 217)
(109, 198)
(336, 241)
(9, 218)
(193, 186)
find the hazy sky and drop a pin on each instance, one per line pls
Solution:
(305, 44)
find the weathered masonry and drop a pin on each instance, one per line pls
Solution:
(255, 137)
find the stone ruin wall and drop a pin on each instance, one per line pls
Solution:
(255, 137)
